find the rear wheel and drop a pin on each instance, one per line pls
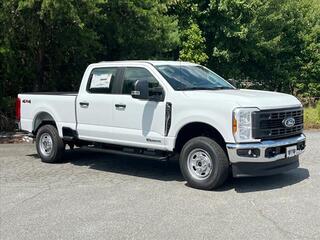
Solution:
(203, 163)
(50, 146)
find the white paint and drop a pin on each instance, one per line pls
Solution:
(142, 119)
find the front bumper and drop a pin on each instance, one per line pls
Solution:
(271, 157)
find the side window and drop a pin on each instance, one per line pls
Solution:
(132, 74)
(101, 80)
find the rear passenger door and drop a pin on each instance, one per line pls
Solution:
(138, 122)
(94, 105)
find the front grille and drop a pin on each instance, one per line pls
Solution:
(268, 124)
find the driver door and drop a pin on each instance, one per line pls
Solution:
(138, 122)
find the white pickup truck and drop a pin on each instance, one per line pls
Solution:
(158, 109)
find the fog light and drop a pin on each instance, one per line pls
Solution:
(273, 151)
(301, 146)
(252, 152)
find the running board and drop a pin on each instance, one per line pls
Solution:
(68, 138)
(140, 155)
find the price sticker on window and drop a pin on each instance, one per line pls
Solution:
(101, 80)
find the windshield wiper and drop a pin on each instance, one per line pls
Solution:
(204, 88)
(224, 88)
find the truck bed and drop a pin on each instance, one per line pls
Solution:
(52, 93)
(60, 106)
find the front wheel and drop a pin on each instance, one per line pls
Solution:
(203, 163)
(50, 146)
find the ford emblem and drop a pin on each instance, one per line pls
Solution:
(288, 122)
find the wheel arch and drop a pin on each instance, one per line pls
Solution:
(196, 129)
(42, 118)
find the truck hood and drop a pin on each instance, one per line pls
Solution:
(246, 98)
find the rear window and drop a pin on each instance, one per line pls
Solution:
(101, 80)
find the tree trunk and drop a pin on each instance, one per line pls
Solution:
(40, 69)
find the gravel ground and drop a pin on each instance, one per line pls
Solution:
(94, 195)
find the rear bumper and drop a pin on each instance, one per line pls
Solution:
(266, 158)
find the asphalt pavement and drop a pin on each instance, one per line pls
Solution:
(95, 195)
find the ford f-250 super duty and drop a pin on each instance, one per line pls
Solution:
(158, 109)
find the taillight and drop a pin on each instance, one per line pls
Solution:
(18, 109)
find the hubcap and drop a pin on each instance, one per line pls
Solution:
(199, 164)
(45, 144)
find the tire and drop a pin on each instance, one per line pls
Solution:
(48, 136)
(203, 163)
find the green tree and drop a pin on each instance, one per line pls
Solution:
(138, 29)
(193, 45)
(271, 44)
(308, 83)
(46, 44)
(45, 41)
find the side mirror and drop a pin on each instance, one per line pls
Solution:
(233, 82)
(141, 90)
(156, 94)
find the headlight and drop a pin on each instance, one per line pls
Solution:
(242, 124)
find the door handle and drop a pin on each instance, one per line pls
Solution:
(84, 104)
(120, 106)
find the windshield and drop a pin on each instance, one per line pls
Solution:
(192, 77)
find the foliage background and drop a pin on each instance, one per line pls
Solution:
(45, 45)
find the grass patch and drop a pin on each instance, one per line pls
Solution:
(312, 117)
